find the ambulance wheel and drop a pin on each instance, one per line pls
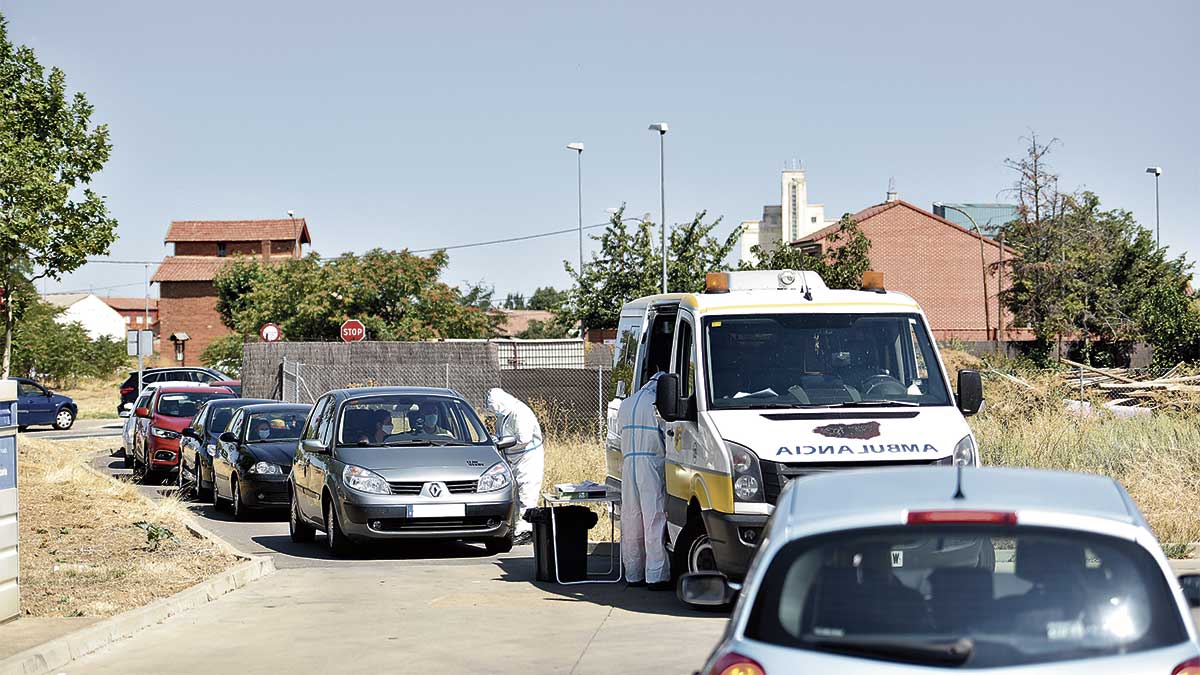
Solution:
(694, 550)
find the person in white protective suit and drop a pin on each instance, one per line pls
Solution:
(643, 491)
(527, 458)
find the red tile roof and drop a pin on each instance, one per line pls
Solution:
(517, 320)
(872, 211)
(188, 268)
(238, 230)
(131, 304)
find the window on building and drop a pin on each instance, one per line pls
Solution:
(128, 320)
(139, 320)
(221, 250)
(813, 219)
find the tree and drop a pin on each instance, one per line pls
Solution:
(60, 352)
(514, 301)
(628, 265)
(49, 220)
(551, 329)
(840, 263)
(547, 299)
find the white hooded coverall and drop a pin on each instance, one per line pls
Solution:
(527, 458)
(643, 489)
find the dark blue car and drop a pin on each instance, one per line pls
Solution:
(38, 405)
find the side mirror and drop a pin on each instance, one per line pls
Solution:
(141, 412)
(190, 433)
(506, 442)
(970, 392)
(666, 397)
(1190, 583)
(227, 437)
(314, 446)
(705, 589)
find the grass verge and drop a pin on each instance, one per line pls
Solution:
(82, 552)
(572, 459)
(97, 398)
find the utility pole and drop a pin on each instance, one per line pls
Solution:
(578, 148)
(145, 322)
(661, 128)
(1157, 171)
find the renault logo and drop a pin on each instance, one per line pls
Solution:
(435, 489)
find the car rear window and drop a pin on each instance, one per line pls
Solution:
(185, 404)
(970, 597)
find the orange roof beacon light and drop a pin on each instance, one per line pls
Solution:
(716, 282)
(873, 281)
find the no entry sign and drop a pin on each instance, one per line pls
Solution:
(270, 332)
(353, 330)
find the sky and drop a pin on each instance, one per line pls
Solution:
(419, 125)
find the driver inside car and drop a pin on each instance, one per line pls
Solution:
(425, 420)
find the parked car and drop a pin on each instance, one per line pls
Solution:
(129, 388)
(400, 463)
(233, 385)
(254, 456)
(38, 405)
(198, 444)
(142, 400)
(849, 579)
(157, 431)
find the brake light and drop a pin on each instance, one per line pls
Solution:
(962, 517)
(126, 390)
(1189, 667)
(736, 664)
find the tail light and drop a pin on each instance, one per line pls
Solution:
(736, 664)
(1189, 667)
(126, 390)
(961, 517)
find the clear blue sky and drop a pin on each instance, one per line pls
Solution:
(405, 124)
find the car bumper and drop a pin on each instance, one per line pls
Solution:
(163, 453)
(729, 534)
(372, 520)
(264, 492)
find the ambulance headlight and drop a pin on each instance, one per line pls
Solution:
(964, 453)
(747, 474)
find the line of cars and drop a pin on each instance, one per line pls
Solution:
(359, 465)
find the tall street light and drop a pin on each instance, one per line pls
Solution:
(578, 148)
(987, 314)
(295, 237)
(1157, 171)
(661, 128)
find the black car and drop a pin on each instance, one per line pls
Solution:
(254, 456)
(199, 444)
(129, 388)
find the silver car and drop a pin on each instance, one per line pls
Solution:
(400, 463)
(848, 580)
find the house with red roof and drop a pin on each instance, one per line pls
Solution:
(187, 306)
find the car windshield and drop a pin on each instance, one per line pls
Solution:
(268, 427)
(820, 360)
(185, 403)
(403, 420)
(970, 597)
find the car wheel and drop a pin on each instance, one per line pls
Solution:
(239, 509)
(184, 489)
(501, 545)
(127, 458)
(301, 532)
(217, 504)
(198, 486)
(337, 541)
(22, 428)
(64, 419)
(694, 550)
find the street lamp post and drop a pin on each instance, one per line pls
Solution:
(295, 236)
(578, 148)
(987, 318)
(661, 128)
(1157, 171)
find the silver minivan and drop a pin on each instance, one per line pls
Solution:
(848, 580)
(400, 463)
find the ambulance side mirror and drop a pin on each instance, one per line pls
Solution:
(666, 397)
(970, 392)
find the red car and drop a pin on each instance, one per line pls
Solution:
(156, 432)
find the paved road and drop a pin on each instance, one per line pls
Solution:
(433, 608)
(81, 429)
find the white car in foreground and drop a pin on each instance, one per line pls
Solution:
(858, 573)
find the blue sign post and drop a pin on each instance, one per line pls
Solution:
(10, 594)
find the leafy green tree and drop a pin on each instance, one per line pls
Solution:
(551, 329)
(628, 266)
(547, 299)
(841, 262)
(61, 352)
(514, 301)
(225, 354)
(49, 220)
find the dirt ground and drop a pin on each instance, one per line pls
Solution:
(81, 550)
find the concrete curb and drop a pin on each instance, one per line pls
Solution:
(52, 655)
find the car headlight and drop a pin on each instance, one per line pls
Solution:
(747, 474)
(964, 452)
(497, 477)
(266, 469)
(163, 433)
(358, 478)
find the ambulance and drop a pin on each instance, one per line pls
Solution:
(770, 376)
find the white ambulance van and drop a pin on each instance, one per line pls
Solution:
(772, 376)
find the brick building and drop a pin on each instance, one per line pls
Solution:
(187, 307)
(938, 263)
(134, 312)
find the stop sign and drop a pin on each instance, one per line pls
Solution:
(353, 330)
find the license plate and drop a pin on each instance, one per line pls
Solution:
(439, 510)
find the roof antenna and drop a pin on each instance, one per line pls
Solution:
(958, 493)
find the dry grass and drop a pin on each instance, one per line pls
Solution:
(81, 553)
(97, 398)
(573, 459)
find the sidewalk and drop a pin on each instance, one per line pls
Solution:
(20, 634)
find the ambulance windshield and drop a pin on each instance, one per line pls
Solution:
(821, 360)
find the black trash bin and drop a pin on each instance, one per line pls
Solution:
(573, 523)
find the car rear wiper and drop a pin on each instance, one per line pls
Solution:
(944, 653)
(881, 402)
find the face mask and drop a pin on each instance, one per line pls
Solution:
(263, 433)
(431, 421)
(387, 428)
